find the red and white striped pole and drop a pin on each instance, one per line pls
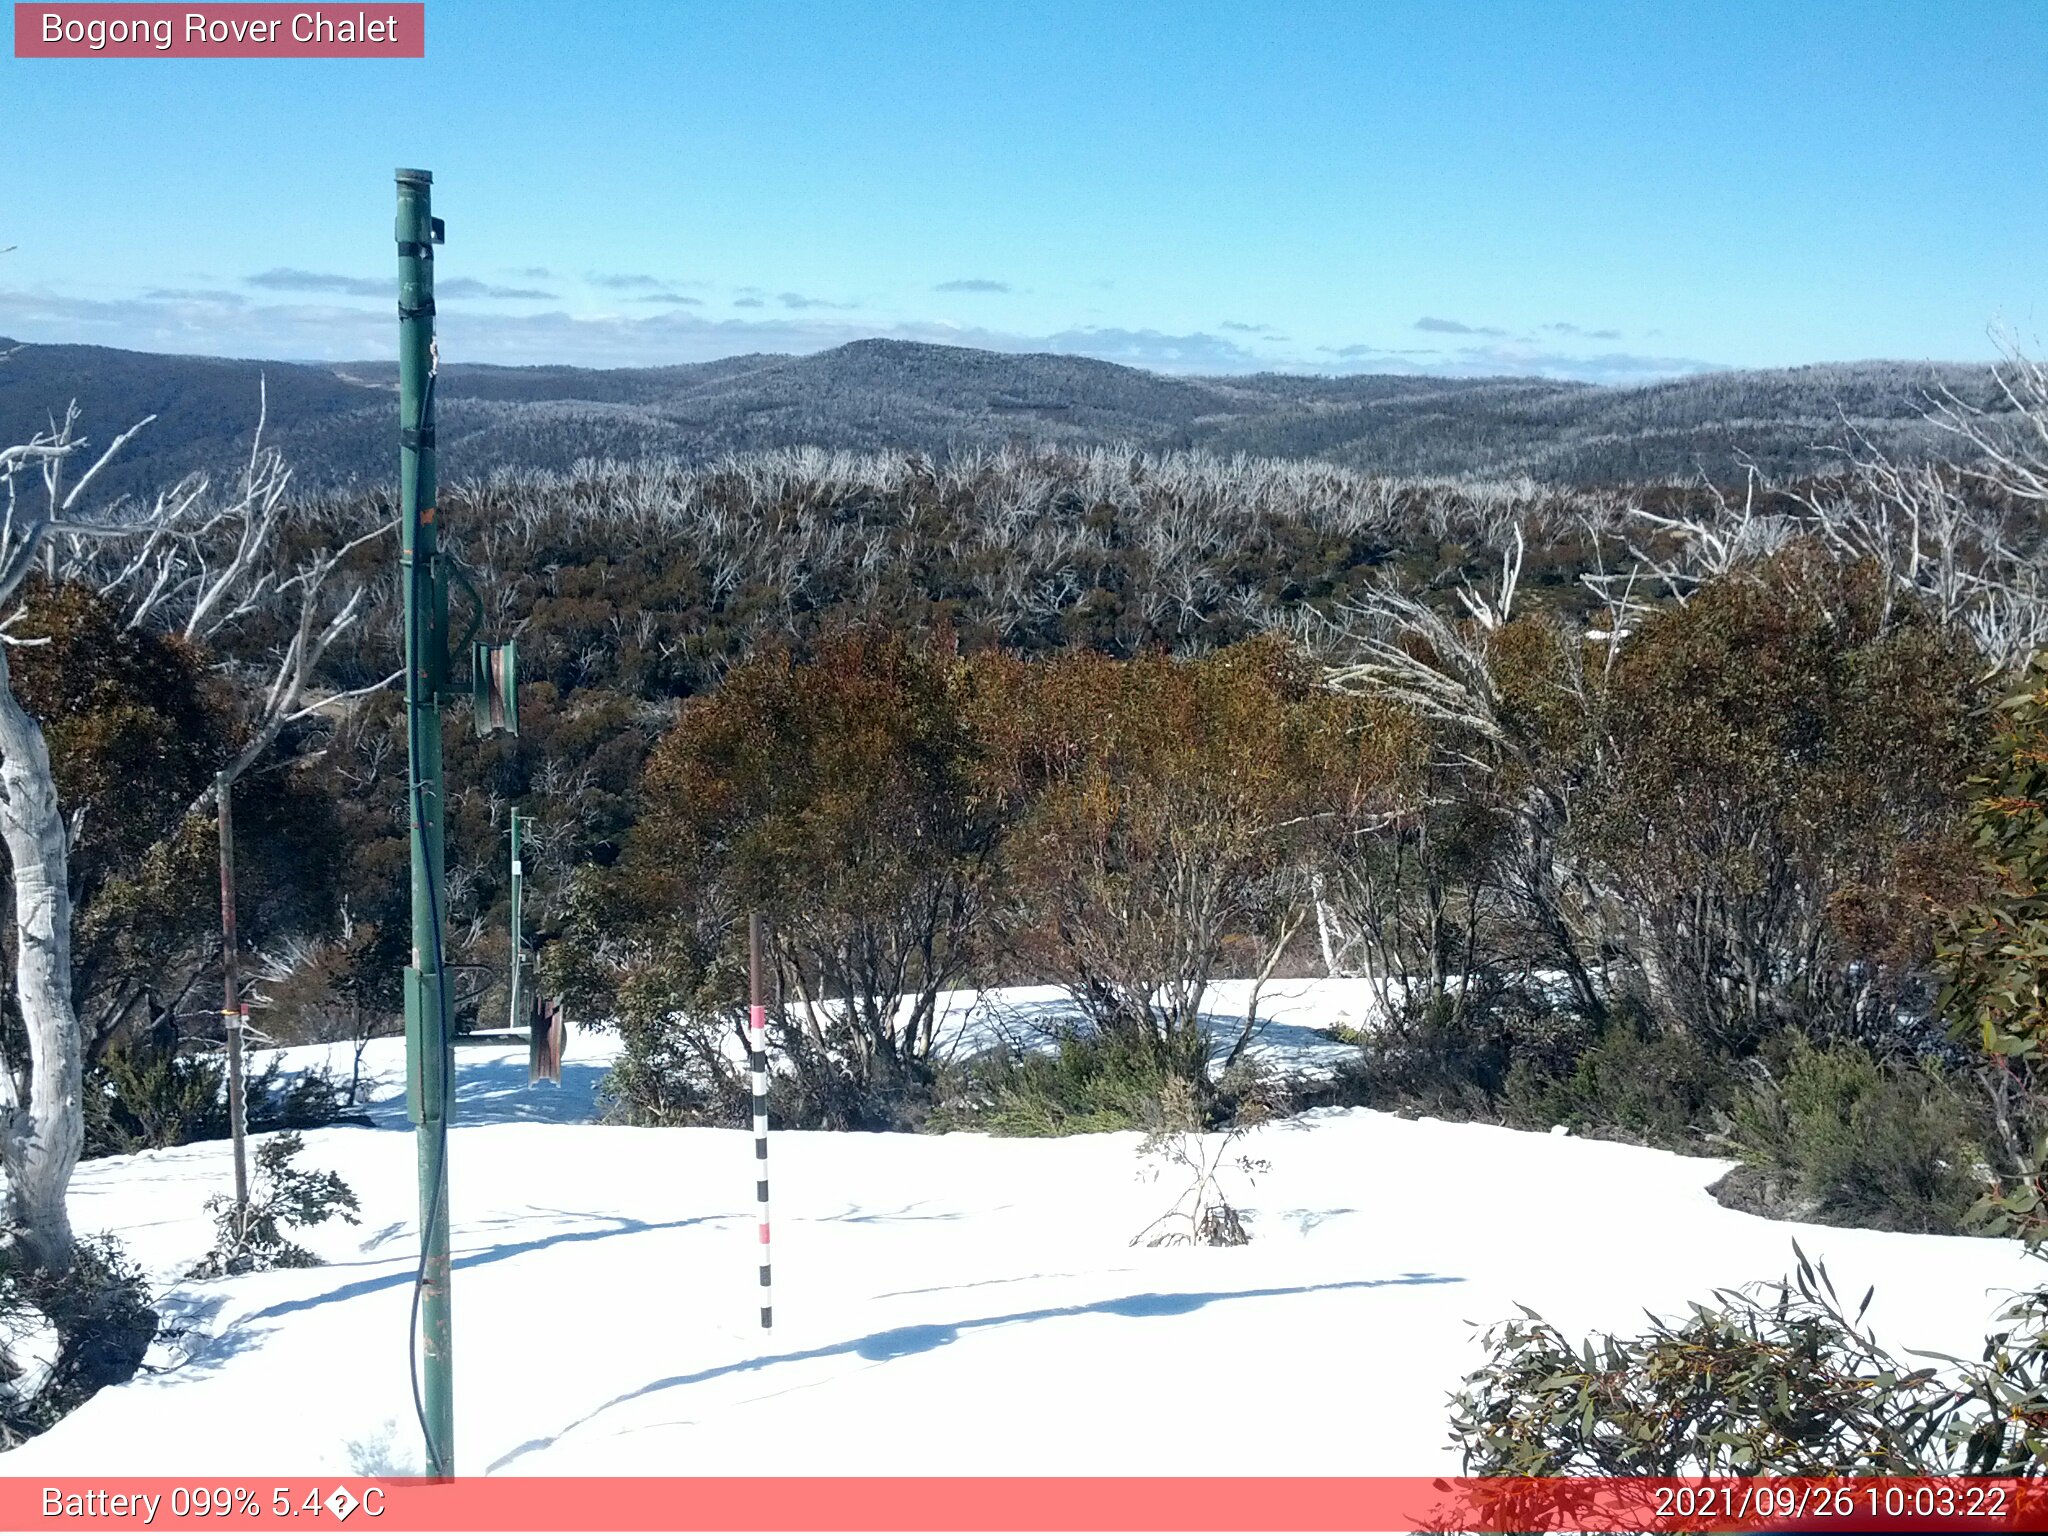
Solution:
(757, 1042)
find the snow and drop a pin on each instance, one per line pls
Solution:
(1295, 1018)
(960, 1304)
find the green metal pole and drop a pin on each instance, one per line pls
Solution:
(429, 1052)
(518, 925)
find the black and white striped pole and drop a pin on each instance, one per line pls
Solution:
(757, 1050)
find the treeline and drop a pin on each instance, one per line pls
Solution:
(1535, 823)
(911, 821)
(630, 588)
(1640, 898)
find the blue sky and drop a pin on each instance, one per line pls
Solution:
(1610, 192)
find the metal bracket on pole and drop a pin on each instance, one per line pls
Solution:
(429, 1071)
(494, 691)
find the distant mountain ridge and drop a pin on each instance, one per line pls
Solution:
(337, 422)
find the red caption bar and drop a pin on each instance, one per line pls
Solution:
(1846, 1505)
(239, 31)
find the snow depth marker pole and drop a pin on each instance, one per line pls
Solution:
(757, 1041)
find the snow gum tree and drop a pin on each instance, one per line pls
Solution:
(45, 1126)
(42, 1125)
(843, 798)
(1179, 812)
(186, 565)
(1778, 800)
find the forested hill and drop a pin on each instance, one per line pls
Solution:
(336, 421)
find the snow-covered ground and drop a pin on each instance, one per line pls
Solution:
(959, 1304)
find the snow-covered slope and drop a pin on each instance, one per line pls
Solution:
(957, 1304)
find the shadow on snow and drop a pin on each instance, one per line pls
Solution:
(211, 1351)
(896, 1343)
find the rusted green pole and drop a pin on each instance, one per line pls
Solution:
(429, 1050)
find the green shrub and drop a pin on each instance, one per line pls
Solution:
(1661, 1088)
(1992, 955)
(847, 799)
(142, 1096)
(677, 1070)
(251, 1237)
(1432, 1061)
(658, 1079)
(100, 1313)
(312, 1099)
(1202, 1215)
(1756, 1383)
(1863, 1143)
(1781, 1380)
(1455, 1058)
(1774, 789)
(1089, 1081)
(1170, 812)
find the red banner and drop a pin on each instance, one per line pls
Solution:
(1843, 1505)
(373, 30)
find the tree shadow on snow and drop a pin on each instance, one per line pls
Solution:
(916, 1339)
(212, 1351)
(1036, 1024)
(497, 1093)
(856, 1216)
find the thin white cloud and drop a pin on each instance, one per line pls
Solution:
(221, 323)
(1456, 327)
(1515, 360)
(1166, 352)
(196, 321)
(195, 296)
(295, 280)
(471, 288)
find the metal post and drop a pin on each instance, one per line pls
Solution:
(232, 1010)
(518, 926)
(757, 1042)
(429, 1051)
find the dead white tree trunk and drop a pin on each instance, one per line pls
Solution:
(44, 1122)
(1325, 939)
(44, 1131)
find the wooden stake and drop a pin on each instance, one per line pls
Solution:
(231, 1011)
